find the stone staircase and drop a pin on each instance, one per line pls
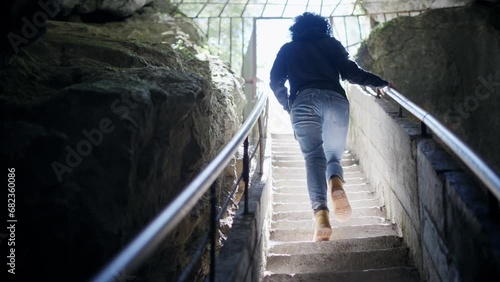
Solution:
(365, 248)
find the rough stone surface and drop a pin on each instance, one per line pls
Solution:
(446, 61)
(118, 8)
(388, 6)
(23, 22)
(104, 130)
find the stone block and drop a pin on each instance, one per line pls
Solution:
(240, 257)
(407, 227)
(437, 254)
(429, 272)
(471, 231)
(431, 162)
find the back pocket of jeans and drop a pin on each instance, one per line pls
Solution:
(340, 111)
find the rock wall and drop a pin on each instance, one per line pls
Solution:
(22, 22)
(388, 6)
(105, 124)
(118, 8)
(447, 62)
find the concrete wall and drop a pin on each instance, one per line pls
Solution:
(242, 257)
(449, 221)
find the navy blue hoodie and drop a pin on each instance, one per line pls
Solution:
(315, 60)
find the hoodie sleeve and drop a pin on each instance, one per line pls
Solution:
(352, 72)
(279, 76)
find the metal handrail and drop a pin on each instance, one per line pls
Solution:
(482, 171)
(151, 236)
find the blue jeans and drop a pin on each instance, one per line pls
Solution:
(320, 120)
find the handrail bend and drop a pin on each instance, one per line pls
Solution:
(152, 235)
(485, 174)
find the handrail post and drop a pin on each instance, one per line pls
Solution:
(423, 128)
(213, 230)
(261, 146)
(246, 172)
(266, 120)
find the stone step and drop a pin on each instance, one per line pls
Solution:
(279, 141)
(347, 168)
(350, 182)
(283, 143)
(287, 155)
(286, 163)
(285, 197)
(395, 274)
(278, 145)
(283, 172)
(277, 136)
(337, 246)
(282, 136)
(341, 232)
(308, 214)
(293, 150)
(285, 138)
(302, 189)
(294, 147)
(309, 224)
(283, 207)
(340, 261)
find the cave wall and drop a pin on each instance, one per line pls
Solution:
(447, 62)
(22, 22)
(117, 8)
(388, 6)
(105, 124)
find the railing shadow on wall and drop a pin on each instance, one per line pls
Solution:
(144, 244)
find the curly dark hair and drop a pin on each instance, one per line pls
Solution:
(308, 21)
